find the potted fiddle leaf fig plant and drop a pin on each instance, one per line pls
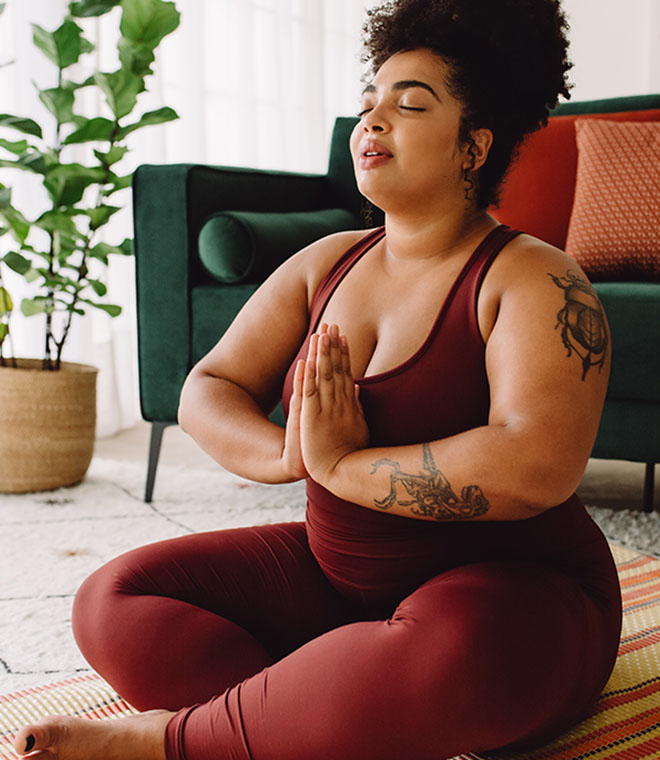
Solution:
(48, 410)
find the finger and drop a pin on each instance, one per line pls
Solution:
(311, 351)
(296, 396)
(349, 382)
(336, 362)
(309, 388)
(324, 371)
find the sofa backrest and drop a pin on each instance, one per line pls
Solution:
(537, 196)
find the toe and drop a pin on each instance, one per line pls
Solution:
(33, 738)
(25, 740)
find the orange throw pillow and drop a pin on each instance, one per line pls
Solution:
(614, 231)
(537, 195)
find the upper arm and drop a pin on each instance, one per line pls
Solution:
(548, 362)
(257, 349)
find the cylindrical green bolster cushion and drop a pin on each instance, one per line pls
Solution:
(246, 246)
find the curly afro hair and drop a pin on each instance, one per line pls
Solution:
(507, 63)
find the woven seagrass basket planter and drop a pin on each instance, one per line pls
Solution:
(47, 425)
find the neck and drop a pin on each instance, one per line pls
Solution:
(437, 238)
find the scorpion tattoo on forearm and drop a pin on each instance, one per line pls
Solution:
(431, 494)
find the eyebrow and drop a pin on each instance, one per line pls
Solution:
(405, 84)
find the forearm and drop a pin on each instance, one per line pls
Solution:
(230, 426)
(488, 473)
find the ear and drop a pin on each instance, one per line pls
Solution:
(476, 152)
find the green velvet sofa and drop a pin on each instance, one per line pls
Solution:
(206, 236)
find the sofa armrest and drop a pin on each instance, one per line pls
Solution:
(170, 205)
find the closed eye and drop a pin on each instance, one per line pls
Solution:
(403, 108)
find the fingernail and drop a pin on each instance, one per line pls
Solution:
(29, 743)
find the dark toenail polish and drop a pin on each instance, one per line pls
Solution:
(29, 743)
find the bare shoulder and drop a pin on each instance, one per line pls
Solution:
(542, 294)
(530, 272)
(526, 257)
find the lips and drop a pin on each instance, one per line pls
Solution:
(372, 154)
(371, 148)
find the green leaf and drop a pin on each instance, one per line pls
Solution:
(2, 7)
(17, 147)
(27, 126)
(89, 82)
(59, 101)
(67, 183)
(148, 21)
(63, 46)
(110, 308)
(116, 153)
(136, 57)
(121, 89)
(17, 263)
(5, 197)
(97, 128)
(118, 183)
(6, 304)
(126, 247)
(4, 329)
(100, 215)
(159, 116)
(18, 224)
(88, 8)
(56, 221)
(32, 161)
(101, 251)
(99, 287)
(32, 306)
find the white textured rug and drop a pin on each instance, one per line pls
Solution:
(51, 541)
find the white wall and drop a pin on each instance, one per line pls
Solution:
(615, 46)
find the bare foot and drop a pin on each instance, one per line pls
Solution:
(61, 737)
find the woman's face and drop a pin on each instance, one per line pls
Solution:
(405, 148)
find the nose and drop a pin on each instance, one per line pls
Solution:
(373, 121)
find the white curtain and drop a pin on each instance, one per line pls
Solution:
(256, 83)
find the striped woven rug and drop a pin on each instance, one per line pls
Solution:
(624, 725)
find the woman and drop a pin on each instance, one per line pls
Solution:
(447, 593)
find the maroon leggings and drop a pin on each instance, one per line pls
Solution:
(243, 626)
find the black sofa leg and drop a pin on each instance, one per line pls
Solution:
(157, 429)
(649, 477)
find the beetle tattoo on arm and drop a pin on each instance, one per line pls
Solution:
(582, 319)
(430, 493)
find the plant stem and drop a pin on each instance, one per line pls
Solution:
(82, 267)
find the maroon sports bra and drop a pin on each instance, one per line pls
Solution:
(442, 389)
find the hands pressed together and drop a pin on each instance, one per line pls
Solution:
(326, 421)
